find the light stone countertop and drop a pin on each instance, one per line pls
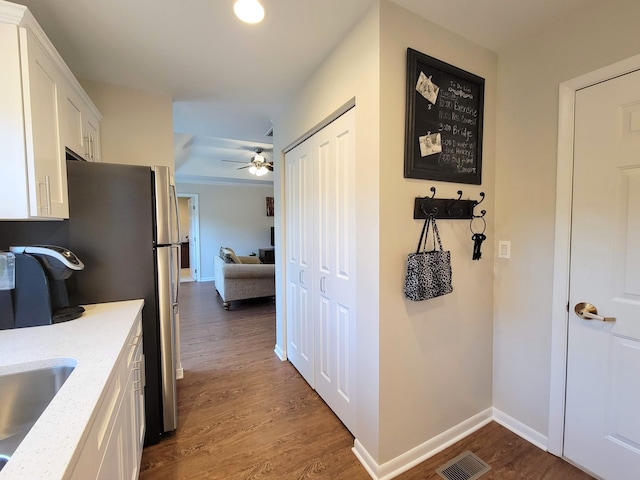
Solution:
(95, 341)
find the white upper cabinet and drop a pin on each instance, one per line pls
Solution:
(91, 137)
(38, 96)
(72, 122)
(80, 127)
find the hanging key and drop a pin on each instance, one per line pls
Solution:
(478, 234)
(477, 238)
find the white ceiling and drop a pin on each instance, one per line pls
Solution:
(229, 79)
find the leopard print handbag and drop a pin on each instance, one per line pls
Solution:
(428, 272)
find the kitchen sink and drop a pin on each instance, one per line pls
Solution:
(23, 397)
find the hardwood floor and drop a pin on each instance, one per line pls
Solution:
(243, 414)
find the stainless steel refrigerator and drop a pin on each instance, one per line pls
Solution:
(123, 224)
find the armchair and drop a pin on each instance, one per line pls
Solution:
(242, 277)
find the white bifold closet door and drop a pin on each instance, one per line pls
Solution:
(320, 270)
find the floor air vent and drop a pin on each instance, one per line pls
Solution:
(464, 467)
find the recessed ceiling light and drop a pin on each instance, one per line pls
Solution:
(249, 11)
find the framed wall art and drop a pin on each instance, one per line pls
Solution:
(443, 133)
(270, 208)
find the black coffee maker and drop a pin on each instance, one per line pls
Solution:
(40, 294)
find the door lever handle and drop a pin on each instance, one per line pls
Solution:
(590, 312)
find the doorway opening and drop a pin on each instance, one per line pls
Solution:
(189, 213)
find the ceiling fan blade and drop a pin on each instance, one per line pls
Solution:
(233, 161)
(269, 166)
(246, 166)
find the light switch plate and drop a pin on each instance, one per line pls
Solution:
(504, 249)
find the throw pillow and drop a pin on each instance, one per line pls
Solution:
(228, 255)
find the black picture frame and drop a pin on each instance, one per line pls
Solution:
(270, 207)
(444, 118)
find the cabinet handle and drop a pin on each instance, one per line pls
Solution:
(47, 186)
(91, 146)
(301, 277)
(87, 147)
(142, 370)
(323, 284)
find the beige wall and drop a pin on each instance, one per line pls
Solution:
(136, 126)
(410, 355)
(529, 74)
(352, 70)
(435, 355)
(233, 216)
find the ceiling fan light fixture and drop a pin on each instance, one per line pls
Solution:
(249, 11)
(261, 171)
(258, 158)
(253, 170)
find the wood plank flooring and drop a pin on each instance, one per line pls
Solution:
(243, 414)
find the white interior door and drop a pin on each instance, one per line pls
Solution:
(602, 418)
(334, 266)
(299, 242)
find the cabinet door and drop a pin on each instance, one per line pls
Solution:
(135, 415)
(139, 411)
(115, 461)
(92, 137)
(72, 124)
(46, 165)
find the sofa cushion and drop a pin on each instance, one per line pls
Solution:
(228, 255)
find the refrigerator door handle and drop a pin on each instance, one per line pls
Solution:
(175, 219)
(176, 276)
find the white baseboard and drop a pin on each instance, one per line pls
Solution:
(419, 454)
(529, 434)
(207, 279)
(280, 353)
(428, 449)
(179, 373)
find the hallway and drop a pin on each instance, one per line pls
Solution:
(244, 414)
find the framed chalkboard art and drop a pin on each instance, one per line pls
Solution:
(443, 134)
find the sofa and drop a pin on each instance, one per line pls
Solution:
(242, 277)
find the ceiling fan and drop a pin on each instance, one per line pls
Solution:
(258, 165)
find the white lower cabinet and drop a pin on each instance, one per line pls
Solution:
(113, 447)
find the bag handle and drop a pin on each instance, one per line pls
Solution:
(424, 235)
(425, 228)
(436, 236)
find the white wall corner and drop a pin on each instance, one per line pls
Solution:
(280, 353)
(367, 461)
(419, 454)
(520, 429)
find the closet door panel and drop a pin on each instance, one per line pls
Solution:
(299, 238)
(334, 154)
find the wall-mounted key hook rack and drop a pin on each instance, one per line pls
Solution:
(446, 208)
